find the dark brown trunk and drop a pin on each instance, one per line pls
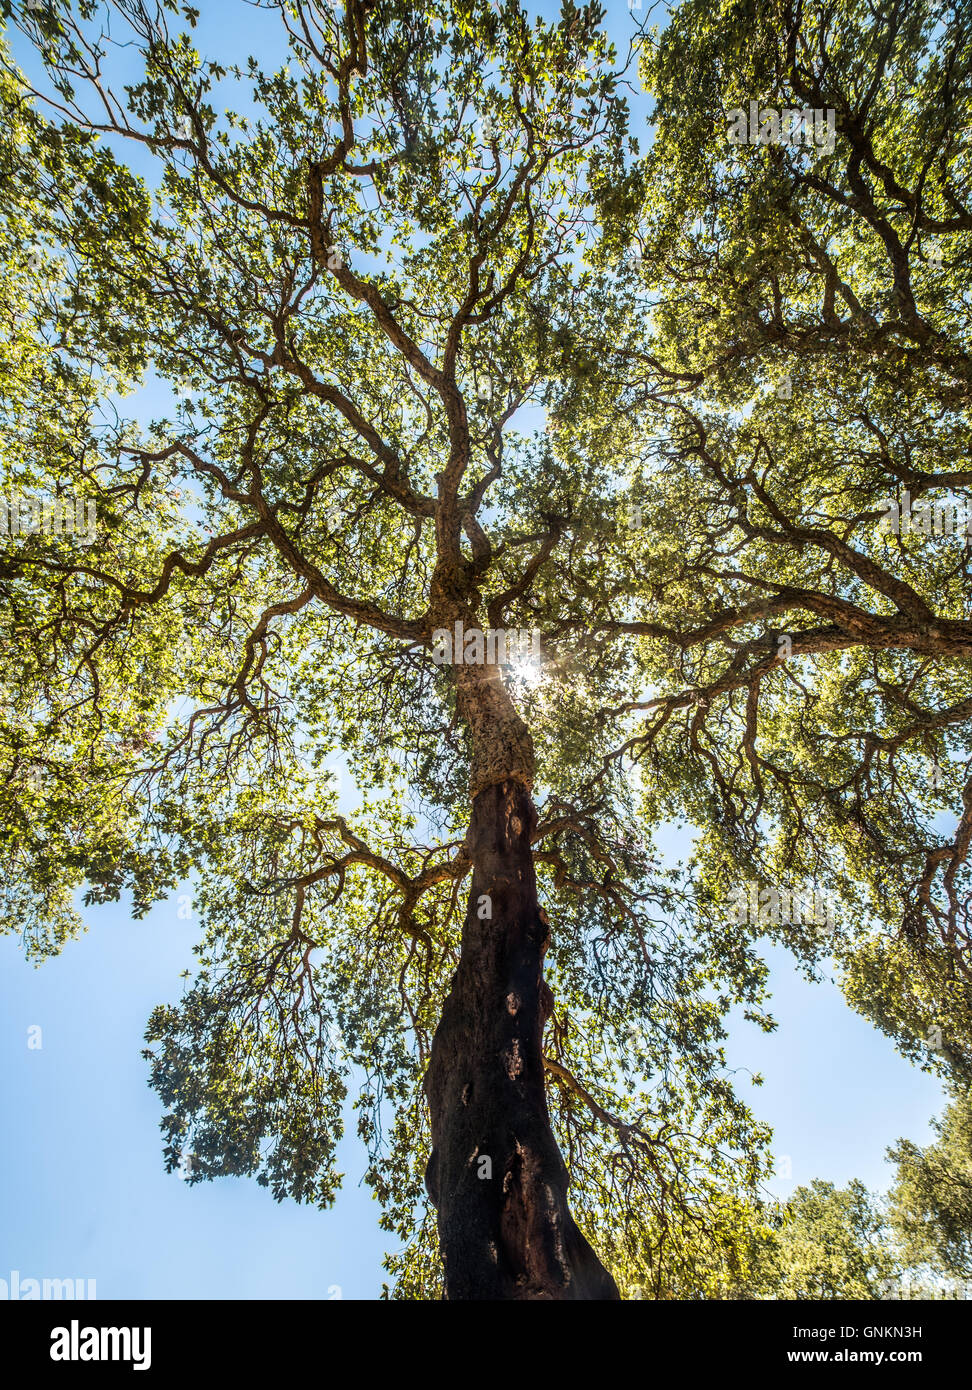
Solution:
(495, 1175)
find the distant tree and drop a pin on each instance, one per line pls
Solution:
(931, 1199)
(831, 1243)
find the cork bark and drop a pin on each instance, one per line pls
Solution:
(496, 1176)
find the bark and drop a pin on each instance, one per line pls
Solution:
(496, 1175)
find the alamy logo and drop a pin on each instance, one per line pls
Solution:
(926, 518)
(76, 1343)
(805, 907)
(17, 1289)
(53, 516)
(496, 646)
(790, 127)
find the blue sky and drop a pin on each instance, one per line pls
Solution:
(83, 1193)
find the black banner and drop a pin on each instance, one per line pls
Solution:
(173, 1338)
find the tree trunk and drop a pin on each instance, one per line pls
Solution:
(495, 1175)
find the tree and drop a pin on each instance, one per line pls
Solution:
(358, 286)
(931, 1200)
(389, 529)
(833, 1243)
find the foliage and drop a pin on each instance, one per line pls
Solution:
(931, 1199)
(405, 371)
(802, 380)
